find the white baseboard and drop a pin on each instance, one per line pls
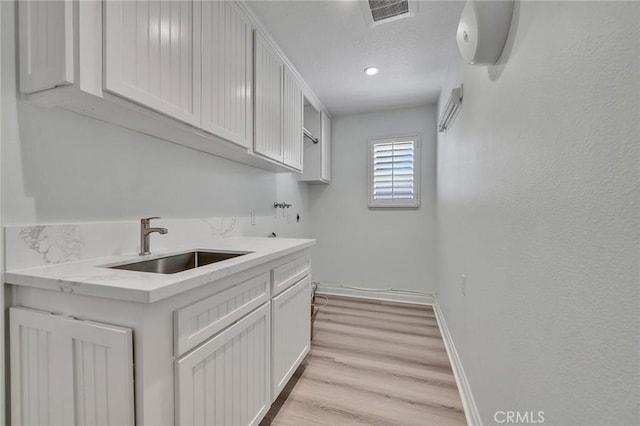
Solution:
(387, 296)
(468, 402)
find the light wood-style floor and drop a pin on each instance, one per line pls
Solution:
(373, 363)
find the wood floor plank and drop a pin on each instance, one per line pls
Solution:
(416, 329)
(406, 310)
(369, 367)
(371, 363)
(377, 333)
(383, 384)
(380, 316)
(369, 407)
(392, 352)
(406, 306)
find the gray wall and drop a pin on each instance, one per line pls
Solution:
(375, 249)
(538, 206)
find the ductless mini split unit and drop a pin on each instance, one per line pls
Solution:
(451, 109)
(382, 11)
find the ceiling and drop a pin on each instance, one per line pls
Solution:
(330, 43)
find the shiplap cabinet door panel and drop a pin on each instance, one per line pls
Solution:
(226, 381)
(291, 334)
(69, 372)
(268, 100)
(34, 397)
(46, 40)
(289, 273)
(150, 55)
(227, 72)
(199, 321)
(292, 121)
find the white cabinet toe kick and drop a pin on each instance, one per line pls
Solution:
(218, 354)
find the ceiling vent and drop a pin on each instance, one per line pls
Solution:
(381, 11)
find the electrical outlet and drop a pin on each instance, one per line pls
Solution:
(463, 284)
(253, 218)
(289, 218)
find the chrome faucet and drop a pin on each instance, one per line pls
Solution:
(144, 234)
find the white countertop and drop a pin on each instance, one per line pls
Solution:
(92, 278)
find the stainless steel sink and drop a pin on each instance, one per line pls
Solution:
(179, 262)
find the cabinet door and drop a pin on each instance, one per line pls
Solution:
(292, 110)
(46, 40)
(199, 321)
(325, 163)
(67, 372)
(290, 332)
(226, 381)
(227, 72)
(150, 54)
(268, 100)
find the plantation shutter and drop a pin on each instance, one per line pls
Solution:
(393, 177)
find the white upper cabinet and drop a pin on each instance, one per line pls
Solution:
(227, 71)
(194, 72)
(292, 121)
(278, 107)
(150, 55)
(317, 154)
(268, 102)
(46, 41)
(325, 157)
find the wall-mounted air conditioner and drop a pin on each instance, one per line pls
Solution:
(451, 110)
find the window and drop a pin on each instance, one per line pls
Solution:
(394, 172)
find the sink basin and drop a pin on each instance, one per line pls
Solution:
(179, 262)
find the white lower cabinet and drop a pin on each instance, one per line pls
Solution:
(66, 371)
(196, 323)
(215, 355)
(226, 381)
(290, 332)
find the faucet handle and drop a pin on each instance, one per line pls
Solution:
(148, 219)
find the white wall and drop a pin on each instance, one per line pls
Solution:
(63, 167)
(538, 191)
(374, 249)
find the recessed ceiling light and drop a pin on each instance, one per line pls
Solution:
(371, 70)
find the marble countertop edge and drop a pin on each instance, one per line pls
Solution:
(91, 277)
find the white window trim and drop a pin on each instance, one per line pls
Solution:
(394, 204)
